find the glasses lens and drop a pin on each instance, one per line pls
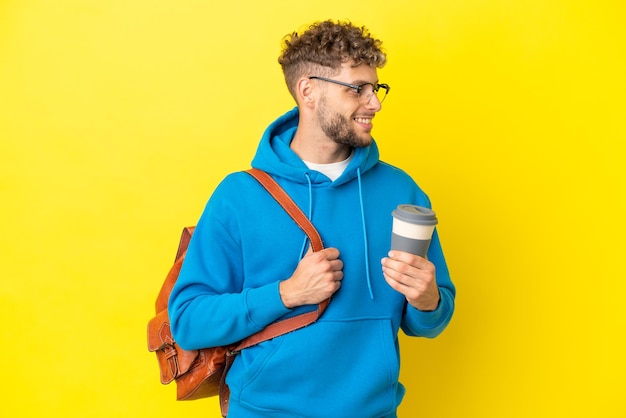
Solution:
(368, 90)
(381, 93)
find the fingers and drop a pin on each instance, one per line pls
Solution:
(406, 269)
(330, 253)
(410, 259)
(317, 277)
(327, 253)
(331, 263)
(327, 259)
(414, 277)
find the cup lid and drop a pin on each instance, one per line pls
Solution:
(415, 214)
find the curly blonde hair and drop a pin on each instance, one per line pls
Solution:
(324, 46)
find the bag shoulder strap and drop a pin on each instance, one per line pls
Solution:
(293, 323)
(164, 294)
(279, 194)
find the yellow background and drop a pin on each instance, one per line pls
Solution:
(119, 117)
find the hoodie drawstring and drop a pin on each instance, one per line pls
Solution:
(365, 246)
(365, 252)
(310, 214)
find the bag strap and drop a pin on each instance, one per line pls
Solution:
(164, 294)
(290, 324)
(289, 205)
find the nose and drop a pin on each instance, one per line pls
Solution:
(373, 103)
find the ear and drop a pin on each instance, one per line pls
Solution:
(306, 92)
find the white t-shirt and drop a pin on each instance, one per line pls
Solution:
(332, 170)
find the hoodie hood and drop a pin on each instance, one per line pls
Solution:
(275, 156)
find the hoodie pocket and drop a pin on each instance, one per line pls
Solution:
(331, 368)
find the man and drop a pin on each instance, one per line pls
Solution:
(248, 264)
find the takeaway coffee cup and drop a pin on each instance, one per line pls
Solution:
(413, 228)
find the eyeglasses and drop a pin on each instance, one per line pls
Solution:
(365, 91)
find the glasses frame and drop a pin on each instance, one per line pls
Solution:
(358, 88)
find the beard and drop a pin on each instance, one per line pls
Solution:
(338, 128)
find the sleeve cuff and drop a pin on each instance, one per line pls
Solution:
(264, 305)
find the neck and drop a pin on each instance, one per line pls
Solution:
(319, 149)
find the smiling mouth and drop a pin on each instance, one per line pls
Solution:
(365, 121)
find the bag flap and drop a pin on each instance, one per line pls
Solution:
(159, 333)
(173, 360)
(185, 359)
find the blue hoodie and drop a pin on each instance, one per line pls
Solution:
(347, 363)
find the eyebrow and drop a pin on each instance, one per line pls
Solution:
(361, 82)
